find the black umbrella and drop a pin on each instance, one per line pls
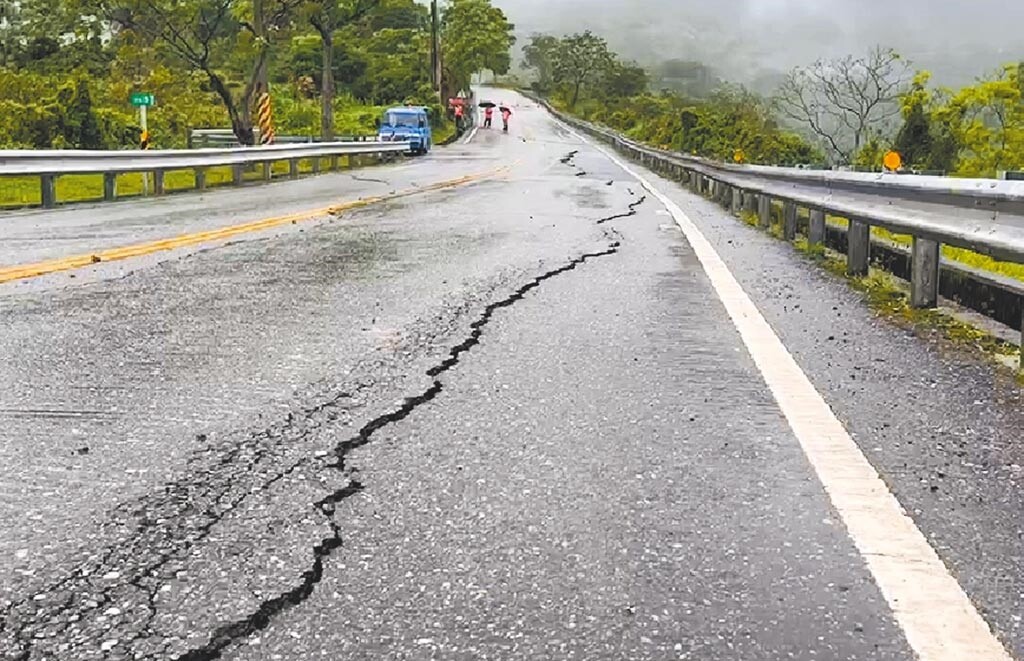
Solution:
(504, 109)
(487, 104)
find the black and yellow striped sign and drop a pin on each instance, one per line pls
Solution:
(265, 114)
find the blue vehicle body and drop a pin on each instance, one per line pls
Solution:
(407, 123)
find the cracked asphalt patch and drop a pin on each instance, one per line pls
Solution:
(273, 606)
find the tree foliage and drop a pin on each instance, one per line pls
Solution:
(476, 36)
(68, 67)
(580, 73)
(581, 61)
(539, 55)
(582, 64)
(987, 122)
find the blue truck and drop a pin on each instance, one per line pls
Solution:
(407, 123)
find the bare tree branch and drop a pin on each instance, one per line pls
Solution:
(847, 101)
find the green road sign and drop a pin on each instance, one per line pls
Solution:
(143, 99)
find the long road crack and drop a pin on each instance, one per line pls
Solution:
(260, 618)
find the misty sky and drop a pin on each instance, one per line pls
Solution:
(957, 39)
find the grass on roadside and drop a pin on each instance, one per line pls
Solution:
(887, 296)
(961, 255)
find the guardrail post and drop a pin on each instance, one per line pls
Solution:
(816, 234)
(158, 182)
(858, 251)
(737, 200)
(48, 190)
(790, 221)
(109, 186)
(238, 174)
(268, 170)
(293, 168)
(334, 163)
(924, 273)
(316, 165)
(200, 178)
(764, 210)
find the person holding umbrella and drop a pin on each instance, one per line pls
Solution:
(488, 113)
(506, 112)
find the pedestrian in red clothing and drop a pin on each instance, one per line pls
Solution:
(458, 116)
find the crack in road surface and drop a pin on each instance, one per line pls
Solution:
(633, 206)
(259, 619)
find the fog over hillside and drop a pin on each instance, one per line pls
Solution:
(751, 41)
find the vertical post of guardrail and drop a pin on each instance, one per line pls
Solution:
(316, 165)
(816, 232)
(200, 175)
(924, 273)
(858, 248)
(238, 174)
(789, 221)
(293, 168)
(334, 163)
(48, 190)
(268, 170)
(158, 182)
(764, 210)
(750, 202)
(737, 200)
(109, 186)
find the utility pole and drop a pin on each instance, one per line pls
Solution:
(261, 84)
(260, 30)
(435, 51)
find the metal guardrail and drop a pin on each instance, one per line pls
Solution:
(202, 138)
(981, 215)
(50, 164)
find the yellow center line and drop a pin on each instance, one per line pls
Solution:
(23, 271)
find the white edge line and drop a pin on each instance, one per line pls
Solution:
(937, 617)
(472, 134)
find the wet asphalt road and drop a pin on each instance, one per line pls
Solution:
(510, 420)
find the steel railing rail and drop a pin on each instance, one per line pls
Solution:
(982, 215)
(50, 164)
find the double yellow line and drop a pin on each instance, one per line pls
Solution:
(21, 272)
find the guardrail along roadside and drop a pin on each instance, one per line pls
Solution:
(984, 216)
(49, 165)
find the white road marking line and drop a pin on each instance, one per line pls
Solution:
(472, 134)
(936, 615)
